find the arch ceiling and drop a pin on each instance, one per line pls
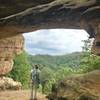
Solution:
(19, 16)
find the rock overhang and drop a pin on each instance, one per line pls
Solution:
(20, 16)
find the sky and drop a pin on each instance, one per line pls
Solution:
(54, 41)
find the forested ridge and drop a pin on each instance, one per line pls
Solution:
(72, 60)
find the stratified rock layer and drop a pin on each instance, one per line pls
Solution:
(5, 67)
(78, 87)
(8, 48)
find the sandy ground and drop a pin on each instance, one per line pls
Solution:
(19, 95)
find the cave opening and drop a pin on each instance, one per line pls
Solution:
(50, 45)
(58, 53)
(54, 41)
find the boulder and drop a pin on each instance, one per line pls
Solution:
(78, 87)
(9, 84)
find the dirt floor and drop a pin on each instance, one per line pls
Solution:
(19, 95)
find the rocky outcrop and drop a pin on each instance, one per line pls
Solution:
(78, 87)
(5, 67)
(10, 84)
(19, 16)
(8, 48)
(96, 45)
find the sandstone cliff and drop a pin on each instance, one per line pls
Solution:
(9, 47)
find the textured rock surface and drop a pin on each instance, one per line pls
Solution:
(8, 48)
(96, 45)
(8, 83)
(19, 16)
(5, 67)
(80, 87)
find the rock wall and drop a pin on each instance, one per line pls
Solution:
(9, 47)
(96, 45)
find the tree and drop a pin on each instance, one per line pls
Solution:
(87, 45)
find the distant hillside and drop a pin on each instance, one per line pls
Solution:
(71, 60)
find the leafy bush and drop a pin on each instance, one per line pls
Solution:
(92, 63)
(21, 69)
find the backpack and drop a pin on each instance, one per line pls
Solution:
(36, 76)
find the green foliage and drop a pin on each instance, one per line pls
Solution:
(21, 69)
(87, 45)
(51, 76)
(90, 63)
(54, 68)
(54, 62)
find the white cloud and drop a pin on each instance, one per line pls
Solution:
(54, 41)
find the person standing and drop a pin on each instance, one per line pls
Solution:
(35, 77)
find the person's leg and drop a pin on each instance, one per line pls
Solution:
(31, 92)
(35, 92)
(43, 85)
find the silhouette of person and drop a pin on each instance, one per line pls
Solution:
(35, 77)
